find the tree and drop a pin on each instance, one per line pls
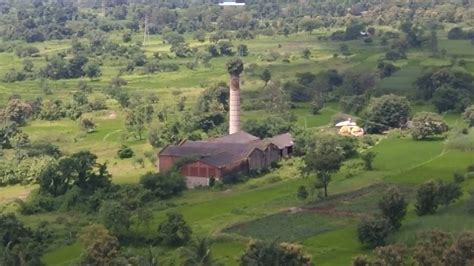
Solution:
(19, 244)
(28, 65)
(104, 251)
(306, 53)
(316, 105)
(386, 69)
(393, 255)
(181, 103)
(87, 125)
(448, 192)
(199, 253)
(80, 169)
(92, 70)
(225, 48)
(456, 33)
(243, 50)
(373, 233)
(266, 76)
(324, 159)
(434, 43)
(446, 98)
(426, 124)
(468, 115)
(126, 37)
(344, 49)
(309, 24)
(200, 36)
(388, 111)
(266, 127)
(174, 231)
(164, 185)
(235, 67)
(115, 217)
(426, 198)
(136, 118)
(430, 247)
(393, 207)
(16, 111)
(302, 193)
(368, 158)
(272, 253)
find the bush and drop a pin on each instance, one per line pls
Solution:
(125, 152)
(448, 192)
(368, 158)
(393, 207)
(273, 253)
(168, 67)
(302, 193)
(373, 233)
(461, 142)
(470, 204)
(164, 185)
(468, 115)
(174, 231)
(317, 105)
(426, 198)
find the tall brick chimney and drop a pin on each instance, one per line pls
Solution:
(235, 68)
(234, 104)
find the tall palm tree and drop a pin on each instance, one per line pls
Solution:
(199, 253)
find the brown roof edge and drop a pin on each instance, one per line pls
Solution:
(164, 148)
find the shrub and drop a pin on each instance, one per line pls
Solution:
(302, 193)
(125, 152)
(317, 105)
(115, 217)
(458, 177)
(353, 104)
(168, 67)
(461, 142)
(393, 207)
(448, 192)
(426, 198)
(174, 231)
(272, 253)
(470, 204)
(368, 158)
(468, 115)
(164, 185)
(373, 232)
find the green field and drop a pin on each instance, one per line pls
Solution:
(266, 207)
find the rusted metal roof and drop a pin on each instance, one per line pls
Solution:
(238, 137)
(283, 141)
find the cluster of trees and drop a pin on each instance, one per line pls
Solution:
(431, 248)
(457, 33)
(21, 245)
(447, 89)
(432, 194)
(373, 232)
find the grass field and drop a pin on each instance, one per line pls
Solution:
(265, 207)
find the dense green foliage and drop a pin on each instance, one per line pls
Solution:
(95, 75)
